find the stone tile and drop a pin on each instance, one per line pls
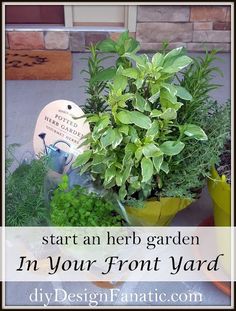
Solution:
(199, 47)
(211, 36)
(163, 13)
(153, 47)
(77, 41)
(6, 41)
(158, 32)
(26, 40)
(208, 13)
(202, 26)
(56, 40)
(94, 37)
(221, 26)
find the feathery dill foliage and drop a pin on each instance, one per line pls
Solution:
(95, 101)
(190, 169)
(25, 202)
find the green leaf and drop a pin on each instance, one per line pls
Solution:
(150, 150)
(139, 102)
(94, 118)
(131, 73)
(124, 129)
(140, 119)
(122, 192)
(122, 38)
(195, 131)
(147, 169)
(99, 168)
(122, 99)
(178, 64)
(183, 93)
(135, 185)
(130, 148)
(83, 158)
(165, 167)
(110, 174)
(105, 121)
(126, 172)
(167, 99)
(133, 134)
(169, 114)
(117, 138)
(172, 55)
(157, 59)
(98, 158)
(104, 75)
(108, 138)
(155, 113)
(120, 83)
(170, 88)
(107, 45)
(154, 97)
(131, 45)
(154, 129)
(139, 83)
(141, 60)
(157, 161)
(138, 154)
(124, 117)
(119, 179)
(171, 148)
(85, 167)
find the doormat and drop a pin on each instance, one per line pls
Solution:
(38, 65)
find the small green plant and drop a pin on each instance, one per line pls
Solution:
(135, 144)
(95, 102)
(124, 44)
(24, 193)
(77, 207)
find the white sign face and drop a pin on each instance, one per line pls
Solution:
(58, 134)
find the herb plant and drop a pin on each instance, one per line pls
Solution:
(95, 102)
(134, 145)
(193, 165)
(124, 44)
(24, 195)
(77, 207)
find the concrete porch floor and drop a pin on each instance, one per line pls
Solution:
(25, 100)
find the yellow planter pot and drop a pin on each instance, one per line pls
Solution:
(156, 213)
(220, 191)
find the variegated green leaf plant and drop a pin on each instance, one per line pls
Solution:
(133, 144)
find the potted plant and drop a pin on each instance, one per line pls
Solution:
(135, 143)
(212, 161)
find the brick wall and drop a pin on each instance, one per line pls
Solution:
(195, 27)
(76, 41)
